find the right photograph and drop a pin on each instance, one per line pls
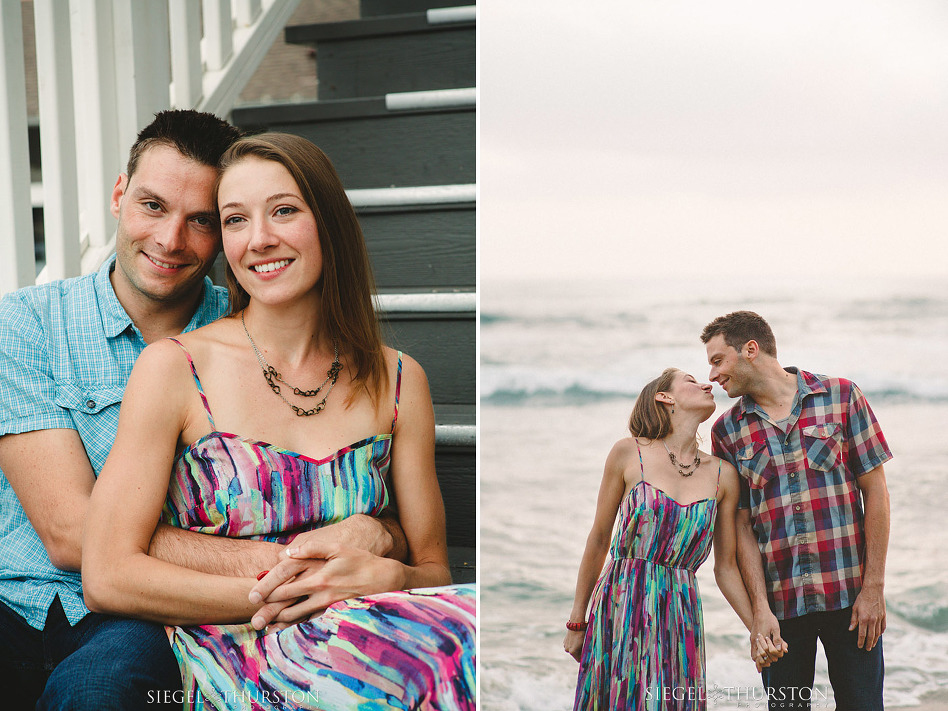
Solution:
(713, 329)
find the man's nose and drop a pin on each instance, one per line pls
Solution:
(173, 237)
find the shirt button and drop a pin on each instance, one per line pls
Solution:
(797, 507)
(792, 474)
(90, 404)
(806, 575)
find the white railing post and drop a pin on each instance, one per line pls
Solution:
(250, 45)
(142, 65)
(17, 263)
(58, 139)
(187, 71)
(97, 142)
(218, 34)
(246, 12)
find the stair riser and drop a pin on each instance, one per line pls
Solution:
(457, 479)
(375, 66)
(391, 150)
(444, 345)
(430, 248)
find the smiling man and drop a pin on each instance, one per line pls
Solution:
(813, 519)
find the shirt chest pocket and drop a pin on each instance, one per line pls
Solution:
(93, 415)
(824, 446)
(86, 399)
(753, 462)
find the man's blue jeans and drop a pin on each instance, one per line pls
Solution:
(855, 674)
(103, 662)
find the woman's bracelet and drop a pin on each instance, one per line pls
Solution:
(576, 626)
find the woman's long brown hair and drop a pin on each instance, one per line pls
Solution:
(347, 285)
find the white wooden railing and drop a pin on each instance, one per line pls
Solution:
(104, 68)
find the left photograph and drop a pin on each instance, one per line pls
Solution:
(238, 355)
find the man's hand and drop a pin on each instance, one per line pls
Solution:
(869, 616)
(765, 642)
(359, 531)
(316, 574)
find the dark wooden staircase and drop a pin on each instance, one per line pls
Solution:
(396, 112)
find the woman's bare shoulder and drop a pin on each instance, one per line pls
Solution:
(224, 331)
(623, 451)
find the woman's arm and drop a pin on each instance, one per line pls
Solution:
(118, 574)
(727, 574)
(611, 491)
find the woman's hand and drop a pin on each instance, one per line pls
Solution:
(765, 650)
(317, 573)
(573, 643)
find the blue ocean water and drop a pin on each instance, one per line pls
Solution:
(561, 364)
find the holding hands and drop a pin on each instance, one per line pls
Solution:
(323, 566)
(766, 643)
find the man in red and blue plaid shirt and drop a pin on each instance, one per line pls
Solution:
(813, 519)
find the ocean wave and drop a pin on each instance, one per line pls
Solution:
(585, 320)
(511, 387)
(897, 309)
(925, 607)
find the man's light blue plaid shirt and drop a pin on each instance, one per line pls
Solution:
(66, 351)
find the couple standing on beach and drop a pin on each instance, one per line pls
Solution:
(795, 504)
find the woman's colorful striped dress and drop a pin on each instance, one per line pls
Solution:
(399, 650)
(644, 647)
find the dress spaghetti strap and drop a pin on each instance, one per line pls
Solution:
(718, 487)
(641, 465)
(398, 389)
(197, 381)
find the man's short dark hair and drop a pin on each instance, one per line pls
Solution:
(197, 135)
(738, 328)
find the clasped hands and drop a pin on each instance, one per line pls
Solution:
(766, 644)
(316, 570)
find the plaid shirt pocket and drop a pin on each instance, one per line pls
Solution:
(824, 446)
(752, 462)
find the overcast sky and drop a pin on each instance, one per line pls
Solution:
(733, 136)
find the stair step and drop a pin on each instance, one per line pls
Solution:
(374, 147)
(363, 199)
(413, 51)
(426, 302)
(455, 425)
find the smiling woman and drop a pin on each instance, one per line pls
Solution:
(270, 235)
(302, 313)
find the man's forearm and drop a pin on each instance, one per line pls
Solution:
(752, 568)
(876, 523)
(219, 555)
(398, 546)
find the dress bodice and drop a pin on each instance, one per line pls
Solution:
(230, 485)
(233, 486)
(654, 527)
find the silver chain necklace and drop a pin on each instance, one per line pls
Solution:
(271, 375)
(682, 468)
